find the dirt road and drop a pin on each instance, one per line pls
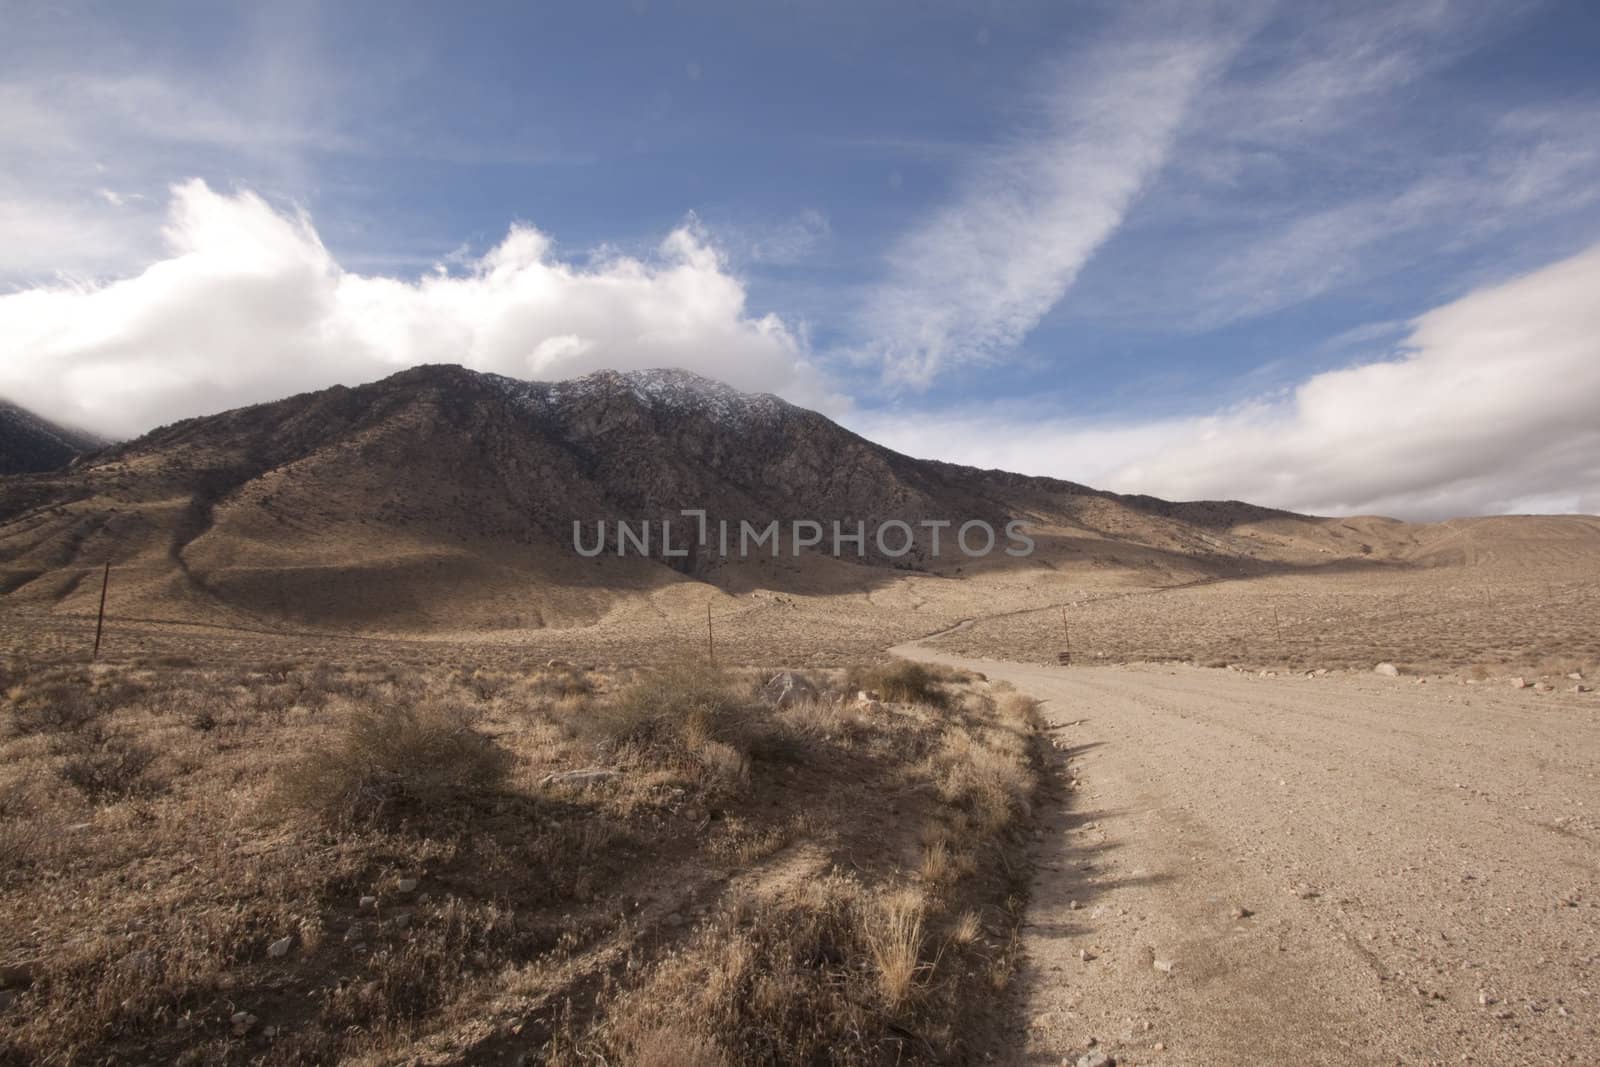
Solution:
(1350, 869)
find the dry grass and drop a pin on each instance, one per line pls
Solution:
(893, 933)
(376, 855)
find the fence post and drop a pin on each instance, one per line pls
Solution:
(100, 621)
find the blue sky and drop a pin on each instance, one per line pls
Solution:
(1130, 244)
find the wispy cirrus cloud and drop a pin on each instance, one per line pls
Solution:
(1027, 214)
(1487, 405)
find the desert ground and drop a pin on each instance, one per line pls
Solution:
(1224, 838)
(1312, 870)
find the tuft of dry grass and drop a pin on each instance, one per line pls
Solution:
(893, 933)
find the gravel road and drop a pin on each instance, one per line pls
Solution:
(1292, 870)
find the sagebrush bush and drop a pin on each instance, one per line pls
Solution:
(396, 759)
(681, 706)
(901, 682)
(106, 765)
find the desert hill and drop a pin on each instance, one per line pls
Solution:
(31, 443)
(440, 501)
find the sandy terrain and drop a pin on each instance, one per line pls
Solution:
(1349, 869)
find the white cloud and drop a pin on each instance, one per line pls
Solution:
(248, 305)
(985, 268)
(1490, 406)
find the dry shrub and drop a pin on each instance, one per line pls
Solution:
(682, 708)
(106, 765)
(562, 681)
(901, 682)
(390, 760)
(984, 771)
(828, 976)
(1023, 710)
(55, 706)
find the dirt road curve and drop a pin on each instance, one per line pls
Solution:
(1420, 865)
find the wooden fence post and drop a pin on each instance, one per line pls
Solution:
(100, 622)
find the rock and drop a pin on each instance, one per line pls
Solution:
(242, 1022)
(368, 903)
(402, 920)
(867, 696)
(1575, 676)
(1388, 670)
(557, 665)
(1085, 955)
(407, 885)
(1164, 966)
(587, 776)
(1242, 913)
(1320, 672)
(1096, 1059)
(1544, 687)
(787, 688)
(871, 707)
(280, 948)
(1581, 689)
(1519, 683)
(1160, 1046)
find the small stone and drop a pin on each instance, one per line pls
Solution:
(1161, 1046)
(1096, 1059)
(280, 948)
(242, 1022)
(1242, 913)
(1519, 683)
(1575, 676)
(1164, 966)
(368, 903)
(407, 885)
(587, 776)
(1484, 999)
(402, 920)
(1085, 955)
(1388, 670)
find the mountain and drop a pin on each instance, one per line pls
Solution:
(30, 443)
(443, 500)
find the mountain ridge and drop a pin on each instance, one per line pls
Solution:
(441, 498)
(31, 443)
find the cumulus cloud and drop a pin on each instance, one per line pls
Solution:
(1489, 406)
(249, 305)
(981, 271)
